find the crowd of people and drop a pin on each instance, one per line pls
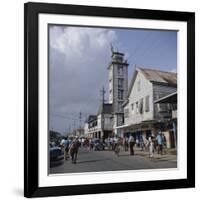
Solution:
(70, 146)
(151, 144)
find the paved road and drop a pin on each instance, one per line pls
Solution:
(94, 161)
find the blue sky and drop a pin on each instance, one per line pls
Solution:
(155, 49)
(78, 63)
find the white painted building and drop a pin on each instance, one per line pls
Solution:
(79, 132)
(132, 110)
(141, 115)
(100, 125)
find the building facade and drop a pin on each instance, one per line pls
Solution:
(79, 132)
(171, 133)
(142, 117)
(100, 125)
(133, 110)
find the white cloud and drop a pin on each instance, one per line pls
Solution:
(78, 68)
(174, 70)
(81, 43)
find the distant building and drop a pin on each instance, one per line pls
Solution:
(143, 118)
(100, 125)
(79, 132)
(90, 125)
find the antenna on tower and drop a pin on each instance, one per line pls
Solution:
(111, 48)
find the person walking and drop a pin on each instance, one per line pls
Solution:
(141, 141)
(159, 142)
(131, 145)
(117, 144)
(126, 144)
(65, 146)
(164, 144)
(91, 144)
(151, 147)
(74, 146)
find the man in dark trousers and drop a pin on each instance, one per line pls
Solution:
(74, 150)
(131, 145)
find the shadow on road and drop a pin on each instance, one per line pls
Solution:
(88, 161)
(123, 155)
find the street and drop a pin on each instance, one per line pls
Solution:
(95, 161)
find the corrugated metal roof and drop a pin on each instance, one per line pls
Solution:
(153, 75)
(91, 118)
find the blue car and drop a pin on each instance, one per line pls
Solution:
(98, 145)
(56, 156)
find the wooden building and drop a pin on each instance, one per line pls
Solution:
(143, 117)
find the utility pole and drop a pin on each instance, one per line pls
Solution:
(80, 118)
(74, 124)
(69, 129)
(102, 112)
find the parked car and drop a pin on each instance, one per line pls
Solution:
(98, 145)
(56, 156)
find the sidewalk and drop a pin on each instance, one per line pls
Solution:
(169, 155)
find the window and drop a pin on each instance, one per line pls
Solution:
(132, 106)
(147, 104)
(120, 94)
(120, 83)
(119, 120)
(111, 120)
(126, 112)
(136, 107)
(139, 85)
(162, 107)
(120, 70)
(120, 109)
(117, 58)
(108, 120)
(141, 106)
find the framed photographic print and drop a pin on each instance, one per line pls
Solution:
(109, 100)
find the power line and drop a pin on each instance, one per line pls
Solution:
(63, 116)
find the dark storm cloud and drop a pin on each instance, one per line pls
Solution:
(78, 69)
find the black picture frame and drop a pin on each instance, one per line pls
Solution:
(31, 112)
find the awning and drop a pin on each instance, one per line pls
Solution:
(171, 98)
(123, 126)
(143, 124)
